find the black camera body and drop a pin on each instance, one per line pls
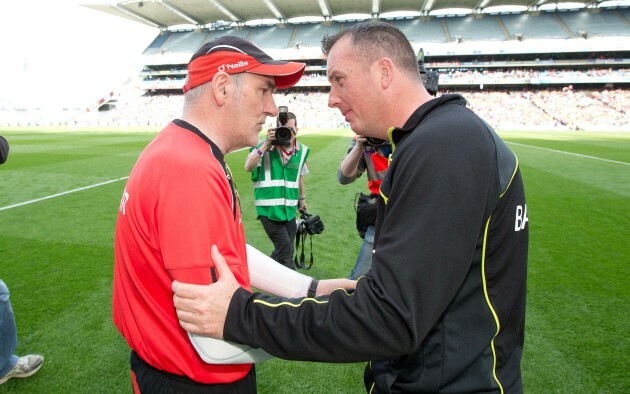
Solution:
(310, 224)
(430, 78)
(375, 142)
(307, 226)
(283, 133)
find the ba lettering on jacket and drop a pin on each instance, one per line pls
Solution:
(521, 217)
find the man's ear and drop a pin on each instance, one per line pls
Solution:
(220, 84)
(386, 70)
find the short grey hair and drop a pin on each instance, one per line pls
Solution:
(374, 40)
(194, 94)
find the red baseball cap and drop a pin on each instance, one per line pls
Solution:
(235, 55)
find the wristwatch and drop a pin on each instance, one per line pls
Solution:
(312, 289)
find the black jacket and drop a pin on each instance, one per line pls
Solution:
(4, 149)
(443, 308)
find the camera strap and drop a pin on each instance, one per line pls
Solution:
(300, 263)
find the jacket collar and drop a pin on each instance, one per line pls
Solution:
(215, 149)
(397, 133)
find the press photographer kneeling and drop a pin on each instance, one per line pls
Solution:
(278, 165)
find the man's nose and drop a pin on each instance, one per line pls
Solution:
(333, 99)
(270, 107)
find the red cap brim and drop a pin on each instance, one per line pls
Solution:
(285, 75)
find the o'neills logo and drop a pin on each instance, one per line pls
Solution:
(232, 66)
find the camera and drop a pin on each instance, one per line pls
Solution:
(307, 225)
(430, 78)
(283, 133)
(375, 142)
(310, 224)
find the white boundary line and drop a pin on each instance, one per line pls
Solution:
(94, 185)
(571, 153)
(124, 178)
(61, 194)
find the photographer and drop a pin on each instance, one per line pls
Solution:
(371, 155)
(278, 165)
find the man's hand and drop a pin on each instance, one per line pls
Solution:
(326, 286)
(361, 142)
(202, 309)
(271, 136)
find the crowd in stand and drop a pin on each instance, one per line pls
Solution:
(540, 109)
(476, 76)
(553, 109)
(528, 74)
(566, 108)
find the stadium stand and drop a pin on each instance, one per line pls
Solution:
(599, 24)
(154, 47)
(272, 36)
(475, 28)
(529, 69)
(534, 26)
(427, 30)
(311, 34)
(183, 42)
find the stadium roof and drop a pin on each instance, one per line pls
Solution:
(169, 13)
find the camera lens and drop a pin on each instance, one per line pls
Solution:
(283, 136)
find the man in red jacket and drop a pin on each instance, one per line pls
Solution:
(179, 201)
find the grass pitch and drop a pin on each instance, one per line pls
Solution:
(60, 193)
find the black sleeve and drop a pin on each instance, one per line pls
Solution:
(4, 149)
(426, 241)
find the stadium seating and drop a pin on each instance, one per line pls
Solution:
(311, 34)
(471, 28)
(184, 42)
(271, 36)
(418, 30)
(600, 24)
(545, 25)
(157, 43)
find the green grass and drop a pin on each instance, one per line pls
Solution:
(56, 258)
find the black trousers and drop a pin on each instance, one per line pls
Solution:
(149, 380)
(282, 234)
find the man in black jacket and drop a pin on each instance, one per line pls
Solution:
(443, 308)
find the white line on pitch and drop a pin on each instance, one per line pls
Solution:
(90, 186)
(61, 194)
(571, 153)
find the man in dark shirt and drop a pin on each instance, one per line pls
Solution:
(443, 307)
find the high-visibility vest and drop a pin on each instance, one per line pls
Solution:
(276, 186)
